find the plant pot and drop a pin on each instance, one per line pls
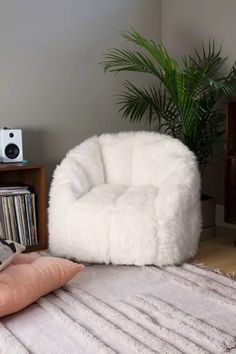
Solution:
(208, 207)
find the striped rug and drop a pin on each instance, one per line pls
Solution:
(183, 309)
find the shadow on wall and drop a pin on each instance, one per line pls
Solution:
(34, 142)
(33, 145)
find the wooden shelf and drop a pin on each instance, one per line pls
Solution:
(33, 176)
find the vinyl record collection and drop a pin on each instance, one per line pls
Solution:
(18, 215)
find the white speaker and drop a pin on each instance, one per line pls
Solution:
(11, 148)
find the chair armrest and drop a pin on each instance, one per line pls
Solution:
(178, 213)
(182, 186)
(70, 180)
(69, 183)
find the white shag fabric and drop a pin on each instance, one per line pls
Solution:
(127, 198)
(126, 310)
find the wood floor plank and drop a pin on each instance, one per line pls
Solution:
(219, 252)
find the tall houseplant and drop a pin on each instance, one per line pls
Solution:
(185, 99)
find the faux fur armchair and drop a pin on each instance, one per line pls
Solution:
(127, 198)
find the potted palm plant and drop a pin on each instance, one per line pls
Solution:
(185, 100)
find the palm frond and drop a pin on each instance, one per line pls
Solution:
(135, 103)
(156, 51)
(149, 103)
(125, 60)
(209, 61)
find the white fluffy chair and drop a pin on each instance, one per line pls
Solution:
(127, 198)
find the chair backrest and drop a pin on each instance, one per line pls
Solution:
(131, 158)
(139, 158)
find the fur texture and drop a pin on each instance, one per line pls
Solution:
(127, 198)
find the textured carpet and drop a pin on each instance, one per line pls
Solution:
(108, 309)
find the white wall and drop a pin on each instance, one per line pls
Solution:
(185, 25)
(51, 83)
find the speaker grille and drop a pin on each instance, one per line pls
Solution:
(12, 151)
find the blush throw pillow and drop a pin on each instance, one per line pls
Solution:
(8, 251)
(29, 277)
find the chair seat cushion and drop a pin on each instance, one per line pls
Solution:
(114, 224)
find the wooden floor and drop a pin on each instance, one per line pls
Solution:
(219, 252)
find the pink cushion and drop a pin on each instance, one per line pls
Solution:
(29, 277)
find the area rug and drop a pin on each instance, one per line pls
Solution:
(108, 309)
